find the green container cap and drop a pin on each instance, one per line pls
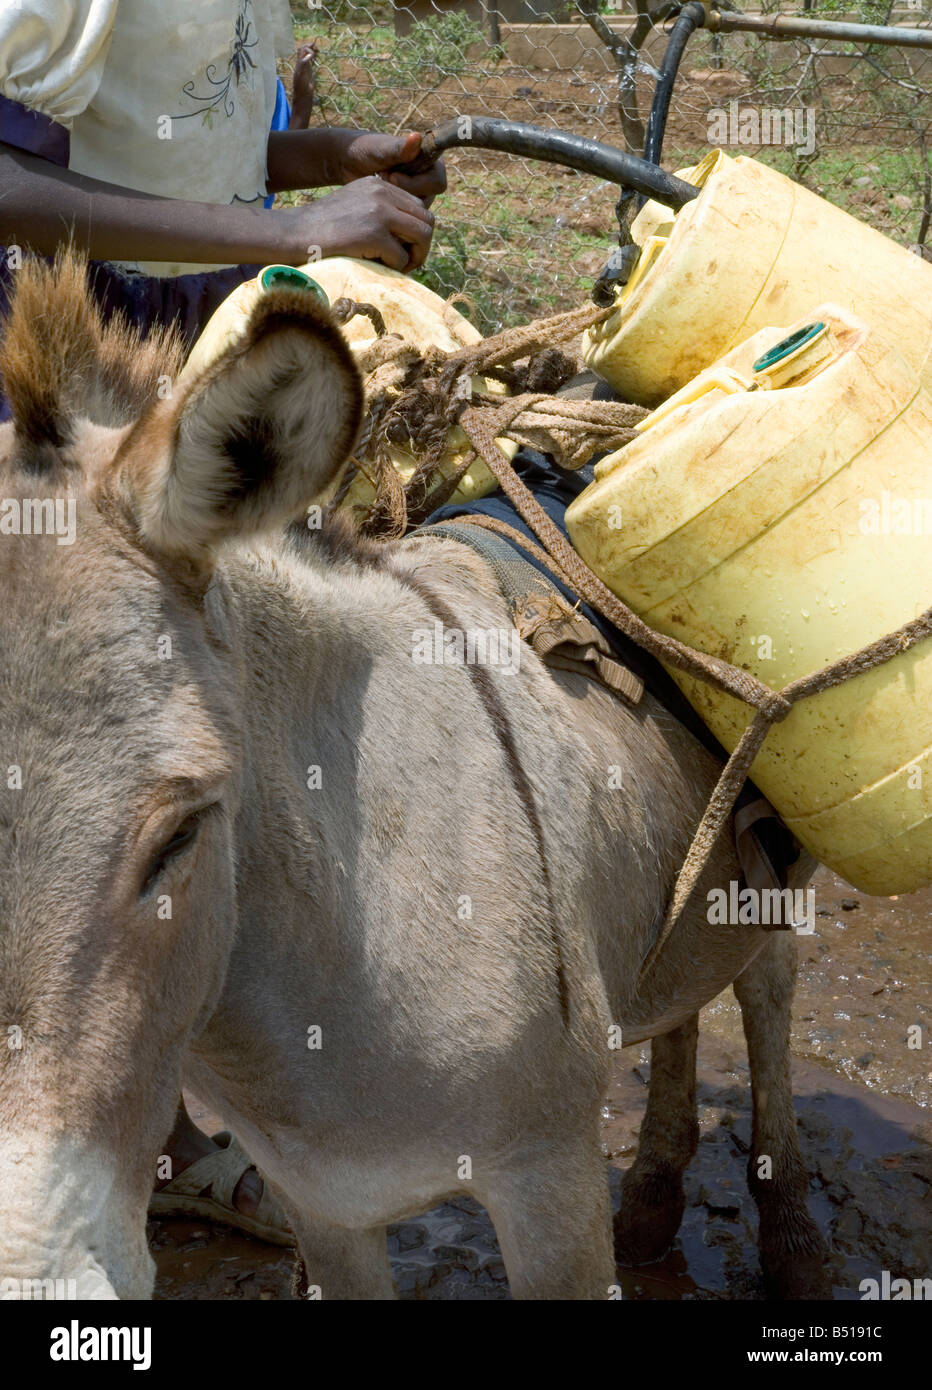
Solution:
(787, 346)
(288, 277)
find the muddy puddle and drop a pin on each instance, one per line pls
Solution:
(862, 1101)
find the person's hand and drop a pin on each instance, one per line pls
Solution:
(304, 86)
(370, 153)
(369, 218)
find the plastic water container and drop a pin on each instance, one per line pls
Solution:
(409, 309)
(754, 248)
(777, 512)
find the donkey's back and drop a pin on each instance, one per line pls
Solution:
(246, 835)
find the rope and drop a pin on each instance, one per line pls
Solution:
(414, 399)
(573, 430)
(345, 309)
(771, 706)
(481, 428)
(515, 343)
(516, 537)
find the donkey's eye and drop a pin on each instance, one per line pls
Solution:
(183, 838)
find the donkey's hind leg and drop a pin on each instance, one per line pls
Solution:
(652, 1198)
(552, 1216)
(792, 1250)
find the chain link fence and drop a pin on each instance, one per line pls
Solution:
(516, 238)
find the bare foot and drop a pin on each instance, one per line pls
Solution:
(187, 1143)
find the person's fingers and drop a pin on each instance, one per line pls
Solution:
(414, 233)
(380, 153)
(372, 218)
(425, 186)
(417, 257)
(393, 253)
(405, 201)
(413, 223)
(410, 147)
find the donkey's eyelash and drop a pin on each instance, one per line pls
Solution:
(182, 839)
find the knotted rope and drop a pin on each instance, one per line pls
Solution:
(415, 398)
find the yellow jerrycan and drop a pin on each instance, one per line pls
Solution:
(754, 248)
(777, 512)
(409, 309)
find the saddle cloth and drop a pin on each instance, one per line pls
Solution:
(566, 633)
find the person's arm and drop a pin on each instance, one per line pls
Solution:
(42, 206)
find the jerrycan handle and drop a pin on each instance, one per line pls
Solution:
(714, 381)
(791, 361)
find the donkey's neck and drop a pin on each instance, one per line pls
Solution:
(313, 622)
(357, 762)
(311, 628)
(332, 695)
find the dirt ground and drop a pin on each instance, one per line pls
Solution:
(862, 1103)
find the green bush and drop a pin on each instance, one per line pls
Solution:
(447, 273)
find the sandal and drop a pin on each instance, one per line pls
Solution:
(204, 1192)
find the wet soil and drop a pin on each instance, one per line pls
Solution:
(862, 1102)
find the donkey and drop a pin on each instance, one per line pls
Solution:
(385, 917)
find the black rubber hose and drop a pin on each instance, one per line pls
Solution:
(625, 257)
(554, 147)
(691, 17)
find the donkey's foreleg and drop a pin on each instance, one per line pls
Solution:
(792, 1249)
(552, 1216)
(340, 1263)
(652, 1198)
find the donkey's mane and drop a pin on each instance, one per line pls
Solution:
(61, 362)
(337, 542)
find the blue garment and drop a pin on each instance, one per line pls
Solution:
(33, 132)
(280, 121)
(186, 301)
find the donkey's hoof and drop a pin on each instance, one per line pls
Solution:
(805, 1279)
(647, 1224)
(796, 1269)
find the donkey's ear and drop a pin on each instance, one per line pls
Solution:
(252, 440)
